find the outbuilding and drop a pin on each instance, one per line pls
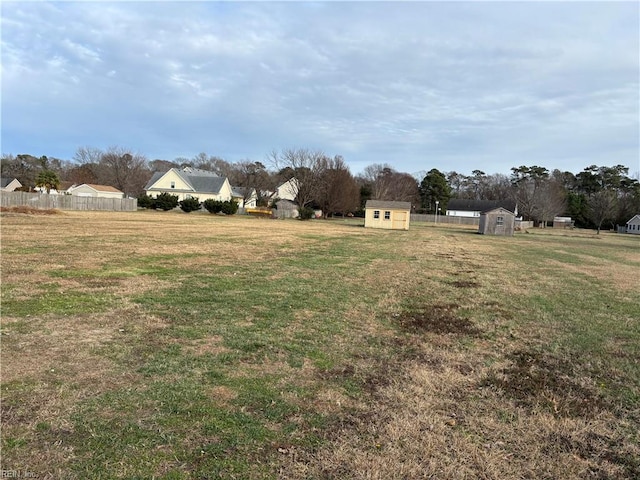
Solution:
(92, 190)
(498, 221)
(562, 222)
(387, 214)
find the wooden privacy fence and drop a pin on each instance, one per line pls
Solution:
(448, 219)
(67, 202)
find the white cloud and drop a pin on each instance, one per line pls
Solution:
(443, 85)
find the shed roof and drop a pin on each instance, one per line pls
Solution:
(499, 210)
(391, 205)
(99, 188)
(469, 205)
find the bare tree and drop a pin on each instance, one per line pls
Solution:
(88, 155)
(385, 183)
(159, 165)
(528, 190)
(249, 176)
(307, 167)
(125, 171)
(602, 207)
(552, 201)
(213, 164)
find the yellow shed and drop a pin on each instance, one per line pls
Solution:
(387, 214)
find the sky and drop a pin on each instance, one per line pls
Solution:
(457, 86)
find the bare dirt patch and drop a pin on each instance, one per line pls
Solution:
(536, 380)
(439, 318)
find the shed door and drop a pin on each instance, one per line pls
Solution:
(399, 219)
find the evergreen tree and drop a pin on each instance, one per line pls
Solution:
(435, 187)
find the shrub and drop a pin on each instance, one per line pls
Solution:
(190, 205)
(212, 206)
(229, 207)
(145, 201)
(166, 201)
(305, 213)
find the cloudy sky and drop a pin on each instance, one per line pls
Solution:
(419, 85)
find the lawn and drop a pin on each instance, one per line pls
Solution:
(180, 346)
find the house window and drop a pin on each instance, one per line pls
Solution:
(499, 221)
(387, 215)
(376, 214)
(173, 184)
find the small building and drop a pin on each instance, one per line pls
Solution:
(97, 191)
(387, 214)
(633, 225)
(8, 184)
(498, 221)
(562, 222)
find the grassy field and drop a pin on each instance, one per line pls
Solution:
(174, 346)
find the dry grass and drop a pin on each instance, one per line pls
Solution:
(446, 366)
(25, 210)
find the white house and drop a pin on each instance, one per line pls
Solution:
(240, 193)
(190, 182)
(633, 225)
(287, 190)
(92, 190)
(9, 184)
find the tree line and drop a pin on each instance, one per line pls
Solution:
(595, 197)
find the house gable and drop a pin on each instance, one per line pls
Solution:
(168, 181)
(287, 190)
(190, 182)
(633, 225)
(9, 184)
(239, 193)
(497, 221)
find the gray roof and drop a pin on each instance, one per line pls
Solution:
(498, 210)
(4, 181)
(154, 178)
(200, 181)
(467, 205)
(388, 204)
(241, 191)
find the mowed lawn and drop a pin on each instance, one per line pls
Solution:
(169, 345)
